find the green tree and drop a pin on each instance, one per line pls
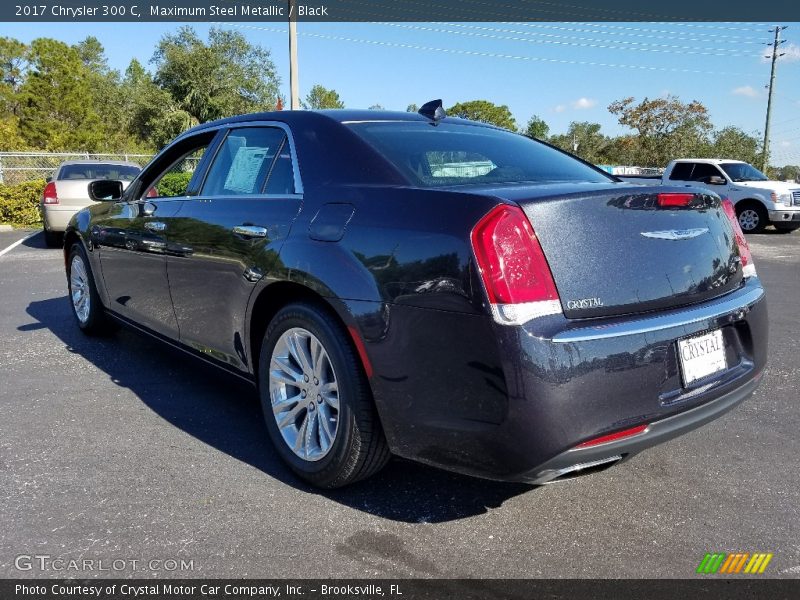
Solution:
(152, 114)
(225, 77)
(484, 111)
(412, 108)
(537, 128)
(377, 107)
(621, 150)
(734, 143)
(787, 172)
(10, 136)
(13, 65)
(667, 127)
(321, 97)
(583, 139)
(93, 55)
(109, 99)
(56, 110)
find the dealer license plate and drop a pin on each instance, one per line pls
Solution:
(701, 356)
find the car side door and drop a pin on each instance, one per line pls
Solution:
(232, 232)
(698, 174)
(132, 241)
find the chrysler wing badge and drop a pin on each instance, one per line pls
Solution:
(675, 234)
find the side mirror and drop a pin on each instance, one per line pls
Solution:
(716, 180)
(105, 190)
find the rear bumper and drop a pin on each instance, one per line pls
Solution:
(56, 218)
(578, 459)
(510, 403)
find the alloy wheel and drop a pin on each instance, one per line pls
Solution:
(79, 289)
(748, 219)
(304, 394)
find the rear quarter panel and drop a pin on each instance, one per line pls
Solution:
(402, 278)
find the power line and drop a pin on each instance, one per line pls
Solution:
(487, 54)
(626, 30)
(601, 32)
(584, 43)
(583, 12)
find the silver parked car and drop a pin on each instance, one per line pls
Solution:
(68, 191)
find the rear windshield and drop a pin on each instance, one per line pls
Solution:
(99, 171)
(455, 154)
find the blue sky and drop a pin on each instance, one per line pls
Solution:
(561, 71)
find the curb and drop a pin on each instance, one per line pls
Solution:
(6, 228)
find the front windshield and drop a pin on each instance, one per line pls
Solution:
(743, 172)
(458, 154)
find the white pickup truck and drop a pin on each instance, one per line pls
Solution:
(759, 202)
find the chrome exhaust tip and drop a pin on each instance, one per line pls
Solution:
(576, 470)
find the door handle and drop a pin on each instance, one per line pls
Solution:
(250, 231)
(155, 226)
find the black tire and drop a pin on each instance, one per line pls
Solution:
(53, 239)
(786, 227)
(753, 217)
(359, 448)
(96, 321)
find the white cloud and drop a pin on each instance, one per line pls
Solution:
(745, 90)
(785, 144)
(790, 52)
(560, 108)
(584, 103)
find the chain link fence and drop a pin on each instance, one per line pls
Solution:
(18, 167)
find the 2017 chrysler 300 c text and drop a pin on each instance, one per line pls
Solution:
(429, 287)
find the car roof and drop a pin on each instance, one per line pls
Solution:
(304, 118)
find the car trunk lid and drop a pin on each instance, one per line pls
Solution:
(616, 251)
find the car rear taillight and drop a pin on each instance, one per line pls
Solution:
(748, 268)
(513, 267)
(152, 192)
(613, 437)
(50, 195)
(674, 199)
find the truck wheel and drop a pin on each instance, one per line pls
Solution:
(786, 227)
(752, 217)
(317, 401)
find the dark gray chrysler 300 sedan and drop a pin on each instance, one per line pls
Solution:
(428, 287)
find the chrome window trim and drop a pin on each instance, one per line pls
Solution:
(247, 196)
(739, 301)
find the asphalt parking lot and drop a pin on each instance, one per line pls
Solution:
(121, 449)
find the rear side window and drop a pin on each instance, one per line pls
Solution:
(455, 154)
(281, 178)
(99, 171)
(681, 172)
(244, 161)
(702, 171)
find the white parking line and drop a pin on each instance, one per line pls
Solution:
(17, 243)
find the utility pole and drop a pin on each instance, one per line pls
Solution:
(294, 84)
(775, 55)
